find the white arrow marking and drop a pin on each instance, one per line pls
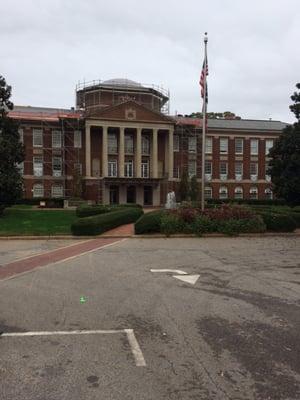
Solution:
(192, 279)
(173, 271)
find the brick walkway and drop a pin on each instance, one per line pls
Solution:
(39, 260)
(120, 231)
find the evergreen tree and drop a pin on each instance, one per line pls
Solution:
(184, 186)
(194, 189)
(11, 151)
(285, 163)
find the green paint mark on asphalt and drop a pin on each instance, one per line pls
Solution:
(82, 299)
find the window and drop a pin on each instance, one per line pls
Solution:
(112, 143)
(269, 145)
(223, 192)
(223, 170)
(208, 167)
(77, 139)
(145, 145)
(38, 190)
(176, 143)
(192, 168)
(128, 169)
(192, 144)
(208, 145)
(267, 173)
(254, 147)
(253, 193)
(176, 172)
(268, 194)
(57, 190)
(129, 144)
(78, 168)
(21, 135)
(56, 166)
(223, 145)
(38, 166)
(56, 139)
(112, 168)
(145, 169)
(239, 146)
(238, 170)
(253, 171)
(207, 192)
(238, 192)
(37, 138)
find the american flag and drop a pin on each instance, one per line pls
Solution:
(203, 76)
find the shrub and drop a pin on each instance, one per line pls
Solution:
(87, 211)
(296, 209)
(171, 224)
(127, 205)
(50, 202)
(228, 212)
(149, 223)
(98, 224)
(278, 222)
(274, 202)
(296, 218)
(187, 215)
(203, 224)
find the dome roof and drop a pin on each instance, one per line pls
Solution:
(121, 82)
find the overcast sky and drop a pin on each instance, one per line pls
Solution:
(253, 50)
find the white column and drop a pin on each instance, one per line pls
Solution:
(138, 153)
(154, 154)
(121, 153)
(88, 150)
(104, 152)
(171, 153)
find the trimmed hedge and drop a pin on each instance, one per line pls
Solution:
(275, 202)
(149, 223)
(98, 224)
(278, 222)
(88, 211)
(50, 202)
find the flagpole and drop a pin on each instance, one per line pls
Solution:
(204, 125)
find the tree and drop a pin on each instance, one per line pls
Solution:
(194, 188)
(184, 186)
(11, 151)
(285, 158)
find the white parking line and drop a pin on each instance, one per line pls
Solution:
(134, 345)
(173, 271)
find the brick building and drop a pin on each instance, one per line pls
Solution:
(121, 145)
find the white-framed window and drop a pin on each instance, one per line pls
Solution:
(56, 166)
(223, 145)
(38, 166)
(176, 143)
(145, 169)
(57, 190)
(192, 143)
(112, 143)
(269, 144)
(128, 169)
(238, 192)
(268, 194)
(21, 134)
(208, 192)
(208, 167)
(239, 145)
(176, 172)
(254, 147)
(38, 190)
(112, 168)
(238, 170)
(223, 170)
(37, 137)
(20, 167)
(253, 171)
(145, 145)
(77, 139)
(223, 192)
(208, 145)
(267, 176)
(129, 143)
(56, 139)
(78, 168)
(253, 193)
(192, 168)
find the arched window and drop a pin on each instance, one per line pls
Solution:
(223, 192)
(57, 190)
(207, 192)
(38, 190)
(269, 194)
(253, 193)
(238, 192)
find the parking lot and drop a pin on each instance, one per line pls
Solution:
(102, 325)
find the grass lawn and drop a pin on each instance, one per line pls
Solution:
(36, 222)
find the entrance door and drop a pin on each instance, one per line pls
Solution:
(113, 195)
(131, 194)
(148, 195)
